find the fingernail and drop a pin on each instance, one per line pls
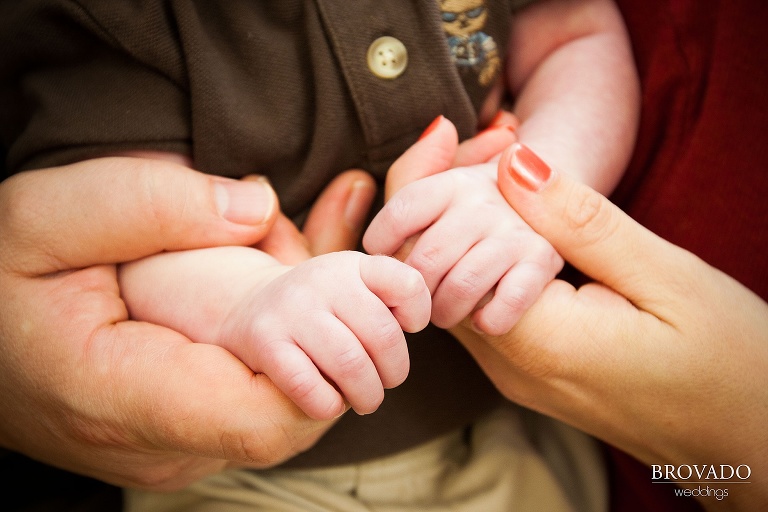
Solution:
(505, 118)
(526, 168)
(431, 126)
(497, 120)
(508, 127)
(358, 205)
(245, 202)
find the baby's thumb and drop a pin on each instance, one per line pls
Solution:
(589, 231)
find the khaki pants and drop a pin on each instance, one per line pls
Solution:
(512, 460)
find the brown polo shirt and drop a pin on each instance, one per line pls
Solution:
(295, 90)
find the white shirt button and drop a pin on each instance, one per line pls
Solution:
(387, 57)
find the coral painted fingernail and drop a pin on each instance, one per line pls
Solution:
(505, 117)
(432, 126)
(497, 120)
(526, 168)
(508, 127)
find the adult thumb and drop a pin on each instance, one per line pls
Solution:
(117, 209)
(589, 231)
(433, 153)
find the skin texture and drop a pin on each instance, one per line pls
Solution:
(132, 403)
(326, 331)
(572, 74)
(469, 245)
(576, 89)
(646, 328)
(148, 407)
(85, 388)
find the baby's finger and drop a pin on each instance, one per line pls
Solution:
(341, 357)
(378, 331)
(294, 373)
(401, 288)
(474, 276)
(285, 243)
(441, 246)
(407, 213)
(516, 292)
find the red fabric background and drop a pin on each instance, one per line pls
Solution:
(699, 176)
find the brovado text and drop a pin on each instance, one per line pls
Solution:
(701, 472)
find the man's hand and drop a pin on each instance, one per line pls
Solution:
(85, 389)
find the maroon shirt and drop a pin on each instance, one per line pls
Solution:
(699, 176)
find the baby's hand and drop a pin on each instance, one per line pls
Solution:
(476, 254)
(332, 329)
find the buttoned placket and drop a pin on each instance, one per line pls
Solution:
(398, 70)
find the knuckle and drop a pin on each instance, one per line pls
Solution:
(257, 448)
(14, 202)
(262, 443)
(400, 209)
(544, 258)
(352, 362)
(21, 208)
(166, 206)
(156, 209)
(388, 337)
(411, 284)
(493, 324)
(465, 285)
(427, 260)
(163, 478)
(514, 299)
(301, 384)
(267, 346)
(590, 217)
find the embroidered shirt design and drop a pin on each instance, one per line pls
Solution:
(472, 50)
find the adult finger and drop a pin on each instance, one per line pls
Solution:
(285, 242)
(202, 400)
(336, 220)
(438, 150)
(489, 143)
(128, 402)
(433, 153)
(117, 209)
(589, 231)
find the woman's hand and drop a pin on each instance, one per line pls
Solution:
(662, 356)
(84, 388)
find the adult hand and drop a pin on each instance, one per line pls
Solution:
(85, 389)
(662, 356)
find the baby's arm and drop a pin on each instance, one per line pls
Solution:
(571, 71)
(324, 331)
